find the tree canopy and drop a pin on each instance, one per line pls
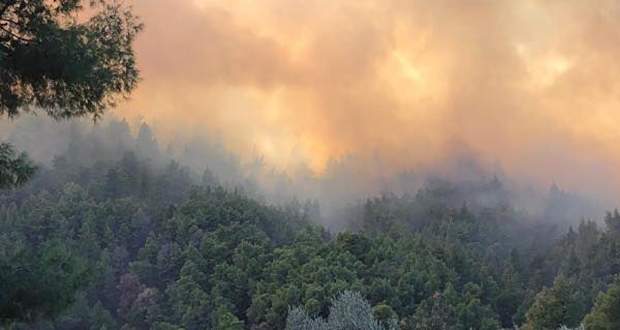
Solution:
(54, 58)
(57, 59)
(163, 249)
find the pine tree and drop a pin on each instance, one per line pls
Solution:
(434, 313)
(15, 169)
(605, 315)
(561, 304)
(348, 311)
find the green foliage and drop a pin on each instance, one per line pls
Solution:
(50, 60)
(435, 313)
(348, 311)
(385, 315)
(561, 304)
(612, 219)
(605, 315)
(15, 169)
(225, 320)
(40, 283)
(164, 253)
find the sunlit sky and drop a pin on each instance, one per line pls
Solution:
(532, 84)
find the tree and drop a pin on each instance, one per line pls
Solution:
(15, 169)
(40, 283)
(66, 66)
(562, 304)
(512, 292)
(130, 287)
(52, 61)
(189, 302)
(298, 320)
(224, 319)
(605, 314)
(435, 313)
(146, 145)
(49, 59)
(349, 311)
(612, 219)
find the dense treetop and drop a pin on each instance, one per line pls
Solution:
(146, 243)
(115, 235)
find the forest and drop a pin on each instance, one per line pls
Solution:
(110, 236)
(368, 206)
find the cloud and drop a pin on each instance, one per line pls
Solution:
(532, 84)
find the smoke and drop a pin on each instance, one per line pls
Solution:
(82, 150)
(344, 99)
(529, 84)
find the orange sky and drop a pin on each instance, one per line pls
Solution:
(533, 84)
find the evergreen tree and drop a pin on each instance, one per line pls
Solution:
(67, 67)
(15, 169)
(434, 313)
(40, 282)
(605, 315)
(561, 304)
(348, 311)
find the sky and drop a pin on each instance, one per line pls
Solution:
(532, 85)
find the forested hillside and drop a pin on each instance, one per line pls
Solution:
(120, 240)
(309, 165)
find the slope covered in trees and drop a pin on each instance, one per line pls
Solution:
(115, 233)
(138, 241)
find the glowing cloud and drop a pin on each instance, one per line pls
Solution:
(532, 84)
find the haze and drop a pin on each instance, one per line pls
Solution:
(529, 84)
